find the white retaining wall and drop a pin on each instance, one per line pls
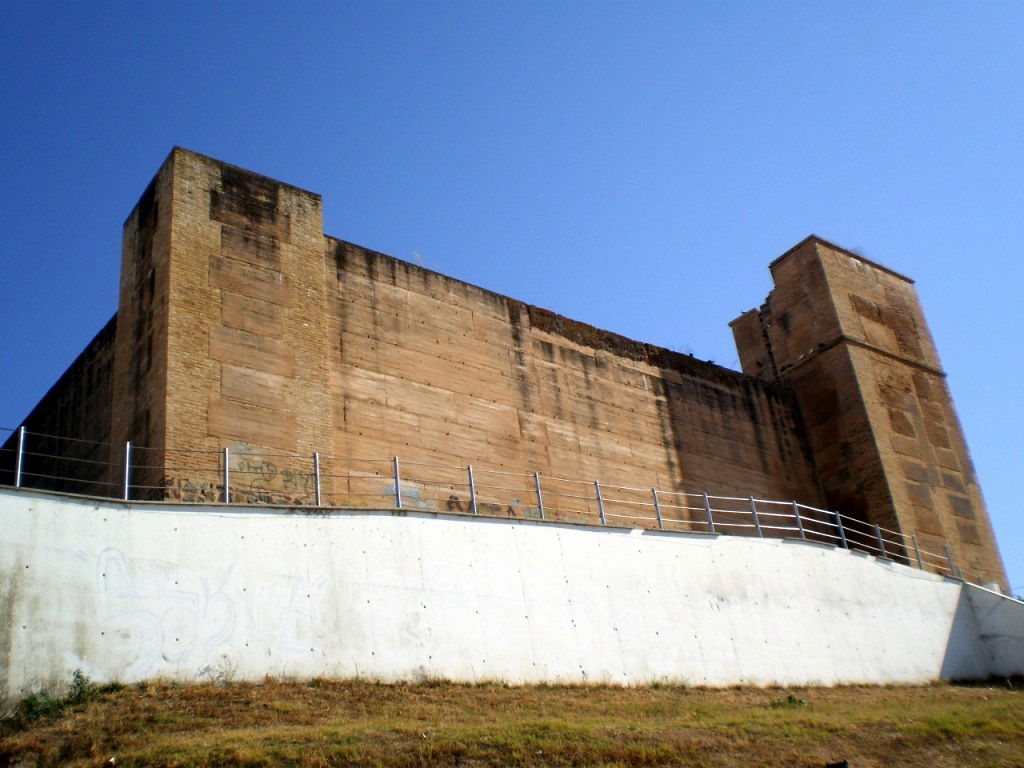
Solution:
(128, 591)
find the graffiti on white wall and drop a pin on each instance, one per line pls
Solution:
(164, 616)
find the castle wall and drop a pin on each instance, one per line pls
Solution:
(281, 342)
(241, 327)
(71, 422)
(436, 370)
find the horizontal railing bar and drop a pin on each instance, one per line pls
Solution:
(179, 450)
(244, 454)
(485, 488)
(47, 436)
(421, 481)
(51, 457)
(407, 463)
(825, 535)
(869, 525)
(267, 472)
(665, 505)
(547, 478)
(788, 504)
(172, 468)
(81, 480)
(507, 474)
(627, 501)
(813, 509)
(325, 457)
(666, 492)
(567, 495)
(626, 488)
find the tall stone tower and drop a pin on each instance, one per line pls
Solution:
(850, 337)
(222, 324)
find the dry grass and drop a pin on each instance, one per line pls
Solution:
(323, 723)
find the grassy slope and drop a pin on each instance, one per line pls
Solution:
(354, 723)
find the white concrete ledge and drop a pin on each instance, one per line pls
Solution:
(133, 590)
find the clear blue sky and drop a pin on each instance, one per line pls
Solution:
(632, 165)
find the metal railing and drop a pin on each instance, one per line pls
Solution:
(135, 472)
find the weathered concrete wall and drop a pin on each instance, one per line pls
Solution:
(850, 337)
(1001, 629)
(133, 591)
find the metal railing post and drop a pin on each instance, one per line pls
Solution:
(227, 476)
(881, 541)
(842, 530)
(799, 522)
(707, 511)
(757, 521)
(954, 571)
(398, 485)
(316, 477)
(127, 470)
(20, 457)
(472, 490)
(600, 502)
(540, 496)
(657, 509)
(917, 551)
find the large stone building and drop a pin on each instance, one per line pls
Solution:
(240, 325)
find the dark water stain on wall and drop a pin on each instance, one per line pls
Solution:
(520, 368)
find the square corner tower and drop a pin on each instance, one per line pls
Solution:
(850, 337)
